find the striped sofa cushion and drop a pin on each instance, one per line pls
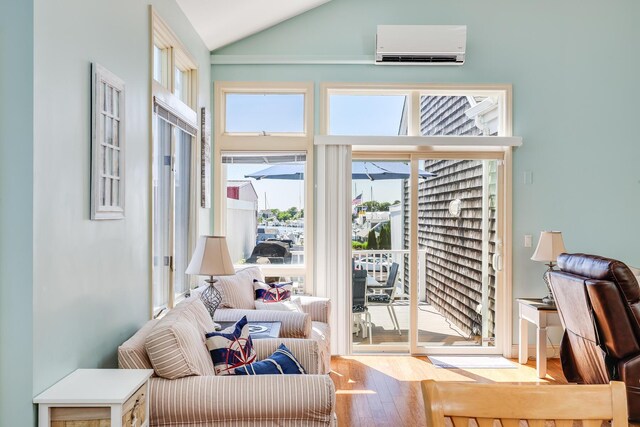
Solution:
(237, 290)
(243, 401)
(176, 344)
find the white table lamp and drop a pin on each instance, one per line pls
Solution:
(549, 247)
(211, 258)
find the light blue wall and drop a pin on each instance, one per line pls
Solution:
(573, 66)
(16, 208)
(91, 278)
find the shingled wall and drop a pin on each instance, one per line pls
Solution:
(454, 244)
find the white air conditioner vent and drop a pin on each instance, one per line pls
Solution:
(421, 44)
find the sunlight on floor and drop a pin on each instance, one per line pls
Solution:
(417, 368)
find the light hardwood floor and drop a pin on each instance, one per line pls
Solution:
(385, 390)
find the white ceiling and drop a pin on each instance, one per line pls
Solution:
(221, 22)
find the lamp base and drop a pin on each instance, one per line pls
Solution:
(545, 276)
(211, 297)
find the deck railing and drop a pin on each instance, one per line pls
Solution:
(378, 262)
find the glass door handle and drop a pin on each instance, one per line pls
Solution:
(496, 262)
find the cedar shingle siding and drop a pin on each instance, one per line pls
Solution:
(454, 244)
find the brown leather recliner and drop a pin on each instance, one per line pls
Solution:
(599, 304)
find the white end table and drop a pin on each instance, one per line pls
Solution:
(542, 315)
(117, 397)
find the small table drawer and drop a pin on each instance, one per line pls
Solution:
(134, 412)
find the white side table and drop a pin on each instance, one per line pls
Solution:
(542, 315)
(115, 397)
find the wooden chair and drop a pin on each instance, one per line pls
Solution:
(509, 403)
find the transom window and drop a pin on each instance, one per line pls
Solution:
(263, 158)
(360, 111)
(173, 67)
(265, 113)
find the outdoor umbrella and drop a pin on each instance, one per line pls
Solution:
(372, 171)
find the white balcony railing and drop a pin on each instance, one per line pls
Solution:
(378, 262)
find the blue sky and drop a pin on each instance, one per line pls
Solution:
(350, 115)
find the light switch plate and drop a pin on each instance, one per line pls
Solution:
(527, 240)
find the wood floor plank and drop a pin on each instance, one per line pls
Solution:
(385, 390)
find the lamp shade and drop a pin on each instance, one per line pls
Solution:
(211, 257)
(549, 247)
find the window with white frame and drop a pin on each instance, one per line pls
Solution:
(263, 160)
(174, 201)
(368, 111)
(265, 207)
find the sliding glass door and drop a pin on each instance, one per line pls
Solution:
(459, 241)
(427, 262)
(380, 255)
(172, 204)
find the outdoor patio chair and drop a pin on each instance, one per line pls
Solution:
(359, 306)
(387, 296)
(510, 403)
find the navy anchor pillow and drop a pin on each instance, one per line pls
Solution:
(272, 292)
(231, 348)
(282, 361)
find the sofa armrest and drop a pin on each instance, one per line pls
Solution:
(294, 325)
(317, 307)
(241, 399)
(306, 351)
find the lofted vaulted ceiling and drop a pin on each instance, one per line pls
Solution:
(222, 22)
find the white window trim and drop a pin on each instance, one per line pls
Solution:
(163, 37)
(177, 57)
(402, 148)
(272, 143)
(277, 141)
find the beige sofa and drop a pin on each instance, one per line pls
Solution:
(186, 392)
(238, 300)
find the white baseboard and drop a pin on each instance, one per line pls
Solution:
(532, 351)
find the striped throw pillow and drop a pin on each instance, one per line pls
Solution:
(282, 361)
(231, 348)
(272, 292)
(237, 290)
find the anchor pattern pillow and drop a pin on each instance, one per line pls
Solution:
(272, 292)
(231, 348)
(281, 362)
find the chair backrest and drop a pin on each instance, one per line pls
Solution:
(510, 403)
(391, 280)
(599, 304)
(359, 279)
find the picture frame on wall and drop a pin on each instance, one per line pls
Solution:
(107, 144)
(205, 158)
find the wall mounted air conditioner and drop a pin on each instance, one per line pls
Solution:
(421, 44)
